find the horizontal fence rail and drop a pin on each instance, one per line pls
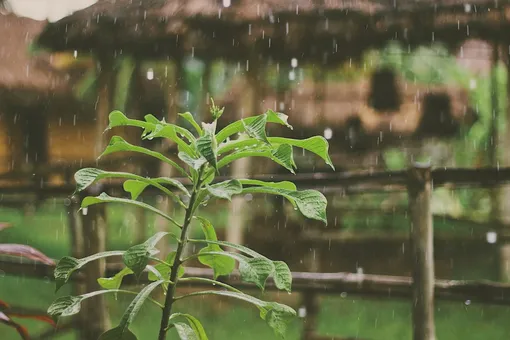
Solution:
(377, 286)
(335, 181)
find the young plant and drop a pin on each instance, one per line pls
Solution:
(203, 152)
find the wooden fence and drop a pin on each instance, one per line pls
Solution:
(422, 288)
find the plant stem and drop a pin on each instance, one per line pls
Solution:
(169, 300)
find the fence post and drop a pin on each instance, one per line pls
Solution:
(310, 302)
(241, 167)
(419, 190)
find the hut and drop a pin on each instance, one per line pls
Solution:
(37, 108)
(318, 35)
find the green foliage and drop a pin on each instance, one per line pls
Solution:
(202, 157)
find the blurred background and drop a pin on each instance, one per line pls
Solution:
(386, 82)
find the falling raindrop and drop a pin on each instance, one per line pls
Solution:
(328, 133)
(492, 237)
(467, 302)
(84, 211)
(472, 84)
(294, 62)
(302, 312)
(150, 74)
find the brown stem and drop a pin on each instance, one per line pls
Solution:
(169, 300)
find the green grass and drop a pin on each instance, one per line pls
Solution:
(47, 228)
(223, 318)
(227, 319)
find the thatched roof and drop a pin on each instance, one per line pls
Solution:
(316, 31)
(23, 77)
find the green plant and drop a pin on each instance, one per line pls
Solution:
(7, 314)
(203, 154)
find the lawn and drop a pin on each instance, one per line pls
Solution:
(225, 319)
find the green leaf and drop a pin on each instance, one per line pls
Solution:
(238, 247)
(65, 306)
(172, 182)
(118, 333)
(277, 317)
(215, 258)
(256, 128)
(189, 117)
(196, 326)
(105, 198)
(275, 314)
(225, 189)
(122, 331)
(134, 187)
(318, 145)
(284, 156)
(280, 154)
(206, 145)
(170, 131)
(86, 176)
(118, 144)
(137, 257)
(194, 163)
(165, 270)
(117, 118)
(282, 276)
(256, 270)
(116, 281)
(185, 331)
(71, 305)
(311, 203)
(67, 265)
(277, 185)
(221, 265)
(239, 126)
(153, 120)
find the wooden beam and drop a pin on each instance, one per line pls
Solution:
(337, 181)
(420, 189)
(94, 319)
(241, 167)
(375, 286)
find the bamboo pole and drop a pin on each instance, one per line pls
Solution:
(504, 192)
(310, 298)
(94, 319)
(240, 168)
(174, 86)
(420, 189)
